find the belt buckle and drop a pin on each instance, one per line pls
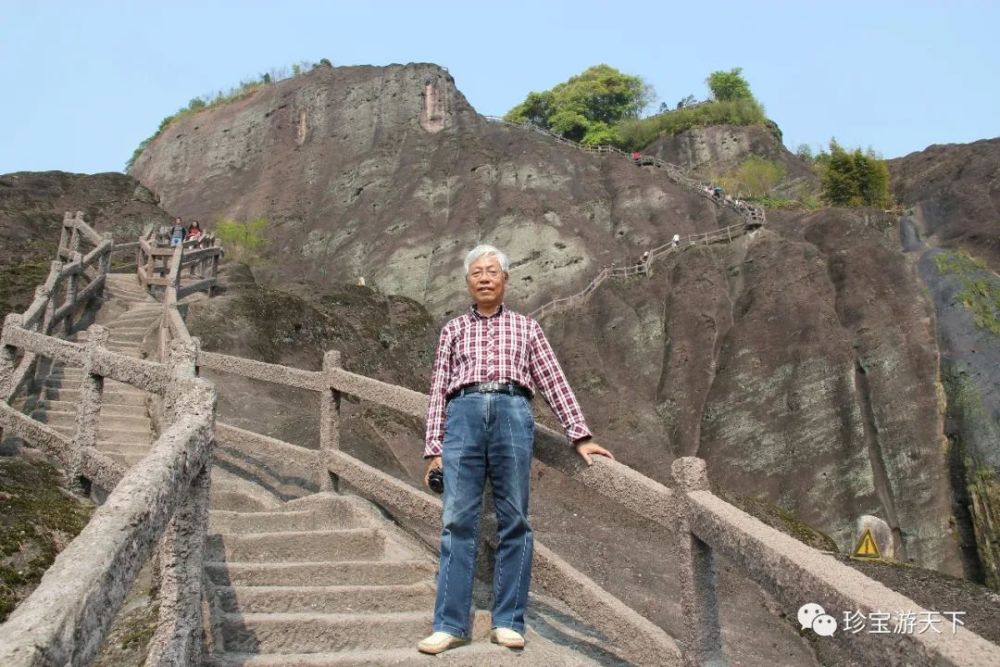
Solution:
(490, 387)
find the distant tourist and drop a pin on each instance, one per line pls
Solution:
(674, 241)
(194, 232)
(717, 192)
(636, 156)
(489, 363)
(177, 232)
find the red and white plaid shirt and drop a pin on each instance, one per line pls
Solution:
(505, 347)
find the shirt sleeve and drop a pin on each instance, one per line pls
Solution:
(548, 376)
(439, 386)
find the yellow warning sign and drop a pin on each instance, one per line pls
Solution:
(866, 546)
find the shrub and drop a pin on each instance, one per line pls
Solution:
(586, 107)
(637, 134)
(758, 176)
(853, 178)
(243, 240)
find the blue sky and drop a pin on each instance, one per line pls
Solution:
(85, 82)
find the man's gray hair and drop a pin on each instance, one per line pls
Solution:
(481, 251)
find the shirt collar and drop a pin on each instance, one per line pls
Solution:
(474, 314)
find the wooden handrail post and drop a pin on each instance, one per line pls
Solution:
(699, 602)
(91, 391)
(329, 416)
(74, 238)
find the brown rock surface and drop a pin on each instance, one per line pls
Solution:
(800, 363)
(717, 149)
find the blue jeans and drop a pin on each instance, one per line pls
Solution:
(485, 434)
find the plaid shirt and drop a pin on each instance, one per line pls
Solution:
(505, 347)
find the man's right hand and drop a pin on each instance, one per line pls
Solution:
(433, 462)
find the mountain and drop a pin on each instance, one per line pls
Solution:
(800, 361)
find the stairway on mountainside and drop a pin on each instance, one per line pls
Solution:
(325, 580)
(124, 430)
(316, 580)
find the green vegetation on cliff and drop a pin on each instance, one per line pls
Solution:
(602, 106)
(586, 107)
(38, 517)
(852, 178)
(980, 290)
(224, 97)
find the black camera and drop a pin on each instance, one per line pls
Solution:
(435, 480)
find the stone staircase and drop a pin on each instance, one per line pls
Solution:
(125, 431)
(321, 580)
(326, 581)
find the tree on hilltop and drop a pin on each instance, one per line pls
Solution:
(728, 86)
(587, 106)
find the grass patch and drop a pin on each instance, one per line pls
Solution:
(38, 517)
(637, 134)
(979, 289)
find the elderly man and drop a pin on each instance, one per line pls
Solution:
(488, 364)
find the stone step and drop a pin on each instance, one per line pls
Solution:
(240, 497)
(127, 460)
(107, 409)
(302, 546)
(311, 633)
(221, 521)
(122, 330)
(130, 449)
(361, 573)
(480, 653)
(106, 423)
(126, 337)
(137, 440)
(72, 395)
(326, 599)
(124, 435)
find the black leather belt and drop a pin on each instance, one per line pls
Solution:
(491, 388)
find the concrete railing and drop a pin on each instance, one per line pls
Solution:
(163, 497)
(74, 279)
(161, 503)
(705, 526)
(157, 264)
(640, 268)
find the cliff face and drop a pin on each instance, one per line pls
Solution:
(718, 149)
(953, 232)
(387, 173)
(32, 205)
(800, 362)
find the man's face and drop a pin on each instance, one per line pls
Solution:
(486, 281)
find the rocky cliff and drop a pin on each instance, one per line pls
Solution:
(801, 361)
(718, 149)
(953, 233)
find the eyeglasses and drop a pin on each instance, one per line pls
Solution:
(491, 273)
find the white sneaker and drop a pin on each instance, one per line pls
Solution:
(507, 637)
(438, 642)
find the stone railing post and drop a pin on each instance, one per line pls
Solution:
(699, 603)
(8, 354)
(106, 259)
(180, 557)
(50, 305)
(91, 389)
(72, 287)
(329, 416)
